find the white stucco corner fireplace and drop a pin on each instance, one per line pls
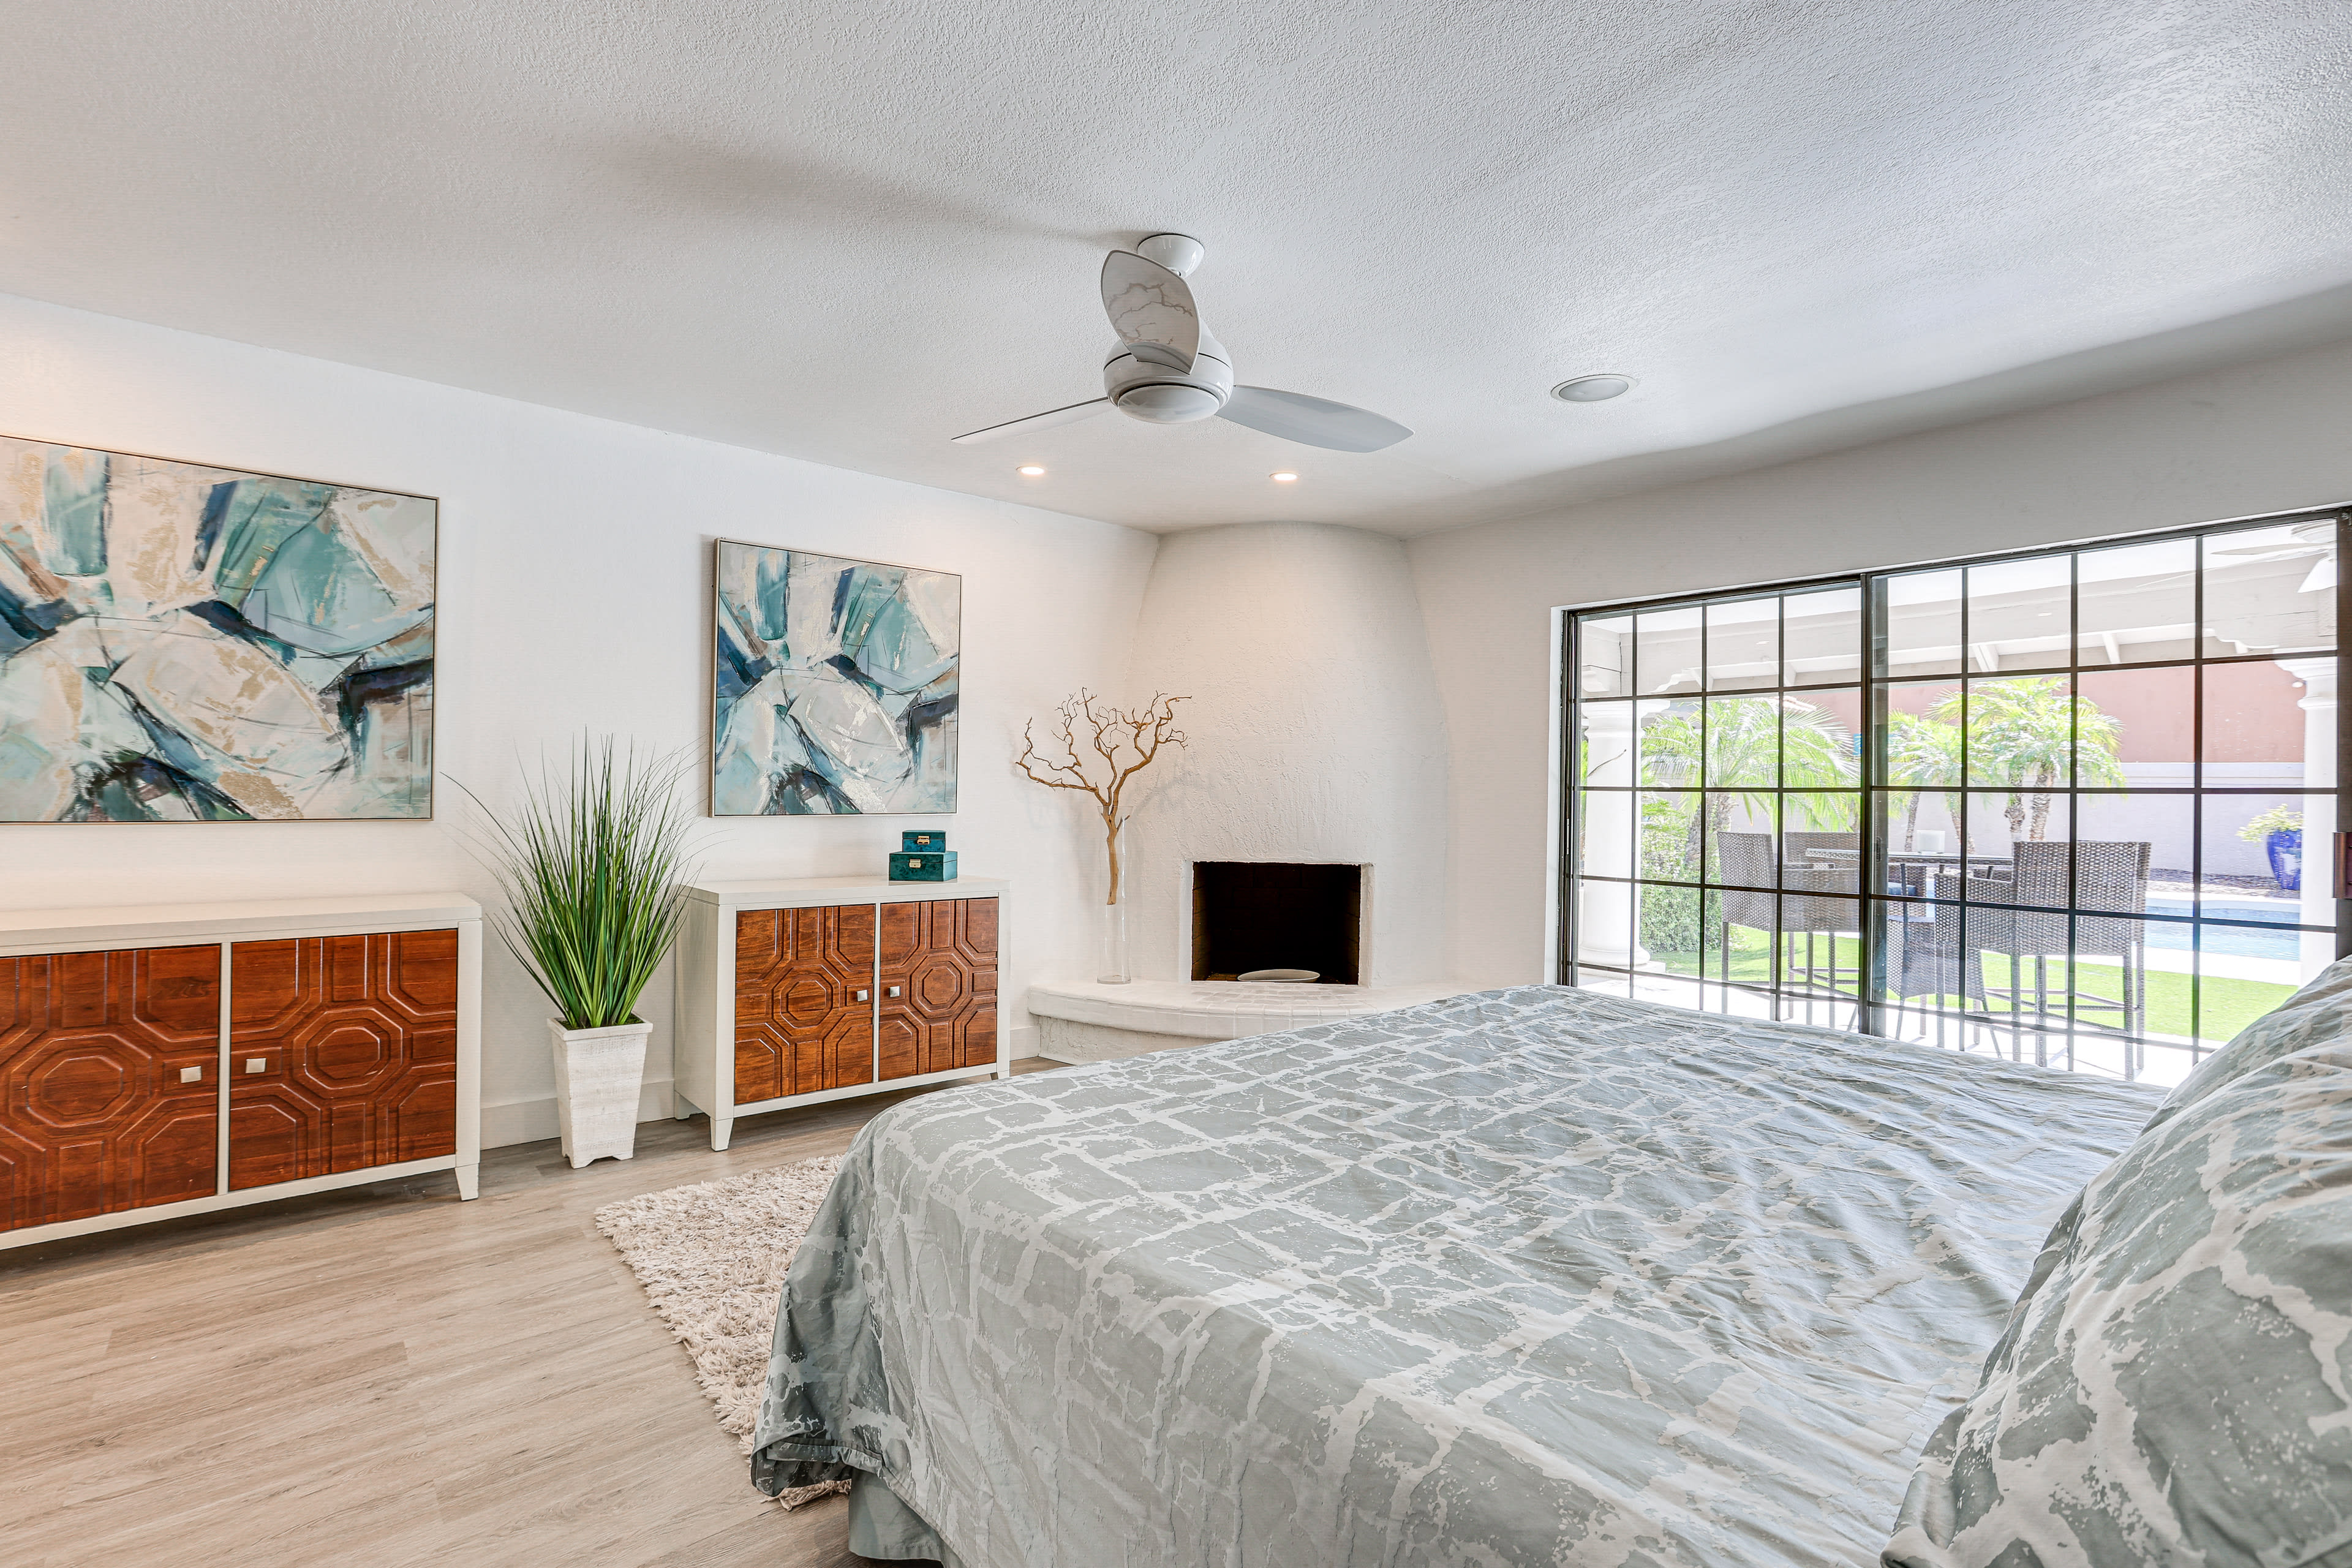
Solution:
(1244, 916)
(1304, 827)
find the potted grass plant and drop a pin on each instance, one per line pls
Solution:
(592, 864)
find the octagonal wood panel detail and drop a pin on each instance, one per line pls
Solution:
(941, 957)
(799, 1024)
(358, 1040)
(93, 1115)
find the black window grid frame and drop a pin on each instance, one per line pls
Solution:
(1875, 1012)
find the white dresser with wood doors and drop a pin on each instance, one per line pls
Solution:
(167, 1059)
(798, 990)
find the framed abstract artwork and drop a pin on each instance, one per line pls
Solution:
(835, 685)
(188, 644)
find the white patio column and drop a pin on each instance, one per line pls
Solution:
(1604, 914)
(2318, 898)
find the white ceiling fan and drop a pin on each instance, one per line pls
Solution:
(2307, 539)
(1169, 369)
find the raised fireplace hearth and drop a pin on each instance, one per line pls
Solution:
(1088, 1021)
(1254, 915)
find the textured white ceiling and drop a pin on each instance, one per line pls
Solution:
(849, 231)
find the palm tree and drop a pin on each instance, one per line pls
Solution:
(1751, 742)
(1922, 750)
(2026, 733)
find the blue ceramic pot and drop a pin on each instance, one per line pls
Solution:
(2285, 847)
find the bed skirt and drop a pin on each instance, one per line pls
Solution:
(882, 1527)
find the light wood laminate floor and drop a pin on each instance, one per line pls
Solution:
(384, 1375)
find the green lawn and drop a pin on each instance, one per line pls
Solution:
(2230, 1004)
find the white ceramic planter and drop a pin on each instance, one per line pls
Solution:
(598, 1075)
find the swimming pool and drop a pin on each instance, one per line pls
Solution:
(2236, 939)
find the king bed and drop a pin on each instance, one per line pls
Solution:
(1535, 1275)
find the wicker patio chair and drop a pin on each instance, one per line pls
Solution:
(1797, 848)
(1923, 950)
(2108, 875)
(1747, 857)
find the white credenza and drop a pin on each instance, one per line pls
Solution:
(799, 991)
(167, 1059)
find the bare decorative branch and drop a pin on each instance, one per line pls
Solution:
(1114, 735)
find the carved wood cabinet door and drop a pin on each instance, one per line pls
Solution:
(939, 986)
(343, 1054)
(803, 1000)
(110, 1064)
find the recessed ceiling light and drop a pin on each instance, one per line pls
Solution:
(1593, 388)
(1282, 479)
(1029, 471)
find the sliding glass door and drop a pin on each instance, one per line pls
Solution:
(1718, 739)
(2050, 805)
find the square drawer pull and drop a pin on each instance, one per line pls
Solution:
(256, 1064)
(893, 991)
(192, 1075)
(865, 996)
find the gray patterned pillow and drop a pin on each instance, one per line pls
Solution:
(2175, 1385)
(2320, 1012)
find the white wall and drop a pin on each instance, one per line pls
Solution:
(1318, 736)
(574, 584)
(2266, 436)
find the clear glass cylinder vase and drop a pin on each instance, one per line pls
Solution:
(1115, 970)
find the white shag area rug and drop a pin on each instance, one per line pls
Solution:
(712, 1258)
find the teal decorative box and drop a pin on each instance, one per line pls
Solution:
(925, 843)
(936, 866)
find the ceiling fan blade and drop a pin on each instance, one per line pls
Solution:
(2249, 553)
(2302, 539)
(1150, 308)
(1046, 421)
(1294, 416)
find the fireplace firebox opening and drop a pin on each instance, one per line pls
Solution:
(1257, 915)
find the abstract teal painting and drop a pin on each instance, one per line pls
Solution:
(188, 644)
(835, 685)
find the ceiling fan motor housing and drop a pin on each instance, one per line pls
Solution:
(1161, 395)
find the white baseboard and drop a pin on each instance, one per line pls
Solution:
(533, 1121)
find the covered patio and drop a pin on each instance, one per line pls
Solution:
(2071, 793)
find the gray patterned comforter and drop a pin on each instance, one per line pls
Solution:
(1531, 1277)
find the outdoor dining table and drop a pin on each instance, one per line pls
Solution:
(1924, 860)
(1918, 960)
